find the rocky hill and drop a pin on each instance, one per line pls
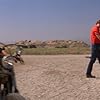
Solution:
(51, 44)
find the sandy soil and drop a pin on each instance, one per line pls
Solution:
(57, 78)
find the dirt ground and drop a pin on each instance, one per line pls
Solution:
(60, 77)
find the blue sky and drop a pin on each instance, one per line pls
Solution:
(47, 19)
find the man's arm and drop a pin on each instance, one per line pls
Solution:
(97, 35)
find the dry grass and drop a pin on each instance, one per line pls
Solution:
(56, 51)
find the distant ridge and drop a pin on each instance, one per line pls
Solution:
(50, 47)
(48, 43)
(52, 43)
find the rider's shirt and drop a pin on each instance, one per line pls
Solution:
(94, 31)
(1, 55)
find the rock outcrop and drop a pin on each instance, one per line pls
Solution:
(51, 44)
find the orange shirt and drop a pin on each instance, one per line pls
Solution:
(94, 39)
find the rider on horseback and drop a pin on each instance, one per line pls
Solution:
(2, 54)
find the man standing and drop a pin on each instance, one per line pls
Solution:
(95, 50)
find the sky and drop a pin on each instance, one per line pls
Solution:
(47, 19)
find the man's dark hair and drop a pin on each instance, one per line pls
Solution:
(98, 22)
